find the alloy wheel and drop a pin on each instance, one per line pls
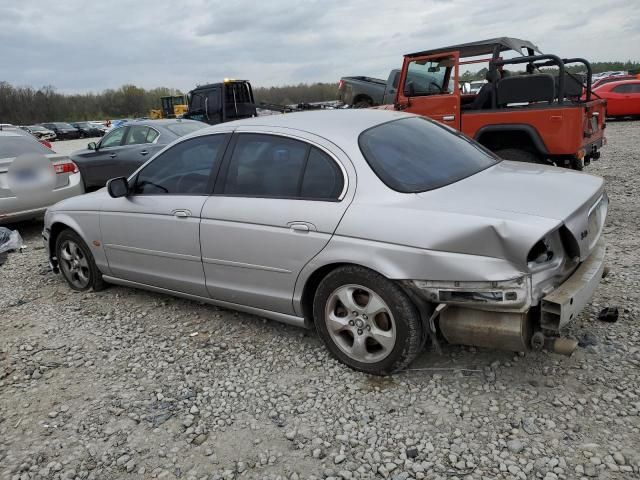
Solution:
(360, 323)
(74, 264)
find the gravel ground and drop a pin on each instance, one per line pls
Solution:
(128, 384)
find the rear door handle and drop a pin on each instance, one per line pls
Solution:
(113, 155)
(181, 213)
(144, 152)
(449, 118)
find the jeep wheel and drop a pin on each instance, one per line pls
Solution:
(367, 321)
(518, 155)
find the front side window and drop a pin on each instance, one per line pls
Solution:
(184, 169)
(415, 154)
(278, 167)
(113, 139)
(429, 77)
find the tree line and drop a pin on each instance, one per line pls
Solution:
(27, 105)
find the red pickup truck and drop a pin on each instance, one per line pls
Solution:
(533, 116)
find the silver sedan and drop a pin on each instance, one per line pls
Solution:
(379, 229)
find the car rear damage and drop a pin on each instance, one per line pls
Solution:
(524, 313)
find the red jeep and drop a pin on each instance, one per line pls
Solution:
(533, 116)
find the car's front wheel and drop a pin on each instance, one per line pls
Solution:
(76, 262)
(366, 321)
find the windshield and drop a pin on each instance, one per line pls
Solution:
(184, 128)
(11, 147)
(415, 155)
(63, 125)
(37, 128)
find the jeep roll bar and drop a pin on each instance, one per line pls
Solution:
(577, 60)
(552, 60)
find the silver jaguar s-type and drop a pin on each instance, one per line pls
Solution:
(380, 229)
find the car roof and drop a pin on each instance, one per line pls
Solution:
(161, 122)
(483, 47)
(336, 125)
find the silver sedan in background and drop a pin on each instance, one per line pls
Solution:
(16, 201)
(380, 229)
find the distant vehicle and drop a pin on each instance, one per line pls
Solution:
(67, 177)
(365, 92)
(221, 102)
(88, 129)
(64, 131)
(534, 117)
(476, 85)
(173, 106)
(622, 96)
(379, 230)
(40, 132)
(123, 149)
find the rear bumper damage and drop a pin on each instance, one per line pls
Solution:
(526, 328)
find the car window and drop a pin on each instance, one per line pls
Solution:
(11, 146)
(429, 77)
(266, 166)
(415, 155)
(184, 169)
(185, 128)
(152, 135)
(322, 177)
(137, 135)
(113, 138)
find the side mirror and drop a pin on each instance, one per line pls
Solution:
(92, 146)
(118, 187)
(409, 90)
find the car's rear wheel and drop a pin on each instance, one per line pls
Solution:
(363, 103)
(367, 321)
(76, 262)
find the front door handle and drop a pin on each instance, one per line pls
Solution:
(181, 213)
(144, 152)
(449, 118)
(301, 226)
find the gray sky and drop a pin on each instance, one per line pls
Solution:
(80, 46)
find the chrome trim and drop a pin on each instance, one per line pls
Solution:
(345, 176)
(229, 263)
(153, 253)
(278, 317)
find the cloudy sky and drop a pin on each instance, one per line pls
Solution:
(80, 46)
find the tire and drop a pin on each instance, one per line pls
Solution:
(351, 334)
(363, 103)
(518, 155)
(76, 263)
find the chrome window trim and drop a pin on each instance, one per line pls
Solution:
(345, 176)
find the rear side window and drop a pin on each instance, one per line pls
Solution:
(13, 146)
(415, 155)
(185, 169)
(322, 177)
(627, 88)
(138, 135)
(278, 167)
(184, 128)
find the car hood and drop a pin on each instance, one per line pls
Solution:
(500, 212)
(87, 202)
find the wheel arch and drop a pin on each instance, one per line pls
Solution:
(363, 97)
(496, 137)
